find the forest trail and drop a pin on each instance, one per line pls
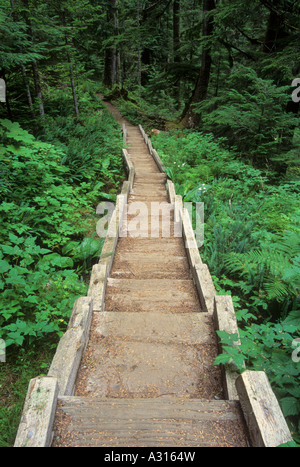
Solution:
(147, 376)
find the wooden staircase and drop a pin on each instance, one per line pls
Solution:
(147, 377)
(137, 370)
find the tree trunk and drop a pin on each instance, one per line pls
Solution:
(27, 87)
(274, 33)
(176, 44)
(73, 85)
(36, 77)
(38, 88)
(23, 69)
(111, 61)
(189, 118)
(72, 81)
(139, 58)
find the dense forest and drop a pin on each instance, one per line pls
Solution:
(220, 80)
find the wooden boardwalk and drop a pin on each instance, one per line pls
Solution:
(135, 366)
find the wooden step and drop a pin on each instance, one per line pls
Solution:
(164, 246)
(126, 366)
(152, 178)
(153, 266)
(137, 226)
(162, 198)
(148, 190)
(189, 328)
(163, 295)
(84, 422)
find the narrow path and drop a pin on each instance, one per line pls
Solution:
(147, 377)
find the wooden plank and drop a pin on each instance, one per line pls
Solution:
(266, 424)
(82, 315)
(35, 428)
(67, 359)
(189, 328)
(190, 241)
(124, 131)
(152, 151)
(129, 167)
(97, 286)
(205, 287)
(158, 160)
(151, 422)
(171, 191)
(225, 320)
(113, 233)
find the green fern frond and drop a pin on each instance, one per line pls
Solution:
(276, 290)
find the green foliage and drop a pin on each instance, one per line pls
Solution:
(20, 367)
(252, 248)
(91, 145)
(38, 291)
(251, 227)
(270, 347)
(252, 113)
(14, 37)
(147, 111)
(48, 239)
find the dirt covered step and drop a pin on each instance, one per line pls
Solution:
(188, 328)
(160, 178)
(163, 295)
(86, 422)
(153, 266)
(145, 246)
(149, 190)
(134, 365)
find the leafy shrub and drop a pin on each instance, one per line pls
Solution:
(48, 194)
(270, 347)
(38, 291)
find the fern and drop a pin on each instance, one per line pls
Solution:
(272, 272)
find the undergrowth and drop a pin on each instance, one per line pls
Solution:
(50, 185)
(252, 248)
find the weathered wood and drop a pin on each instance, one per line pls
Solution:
(266, 424)
(142, 131)
(125, 189)
(82, 315)
(150, 295)
(124, 131)
(35, 428)
(205, 287)
(113, 233)
(171, 191)
(67, 359)
(150, 147)
(225, 320)
(129, 167)
(190, 241)
(187, 328)
(158, 160)
(97, 286)
(152, 422)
